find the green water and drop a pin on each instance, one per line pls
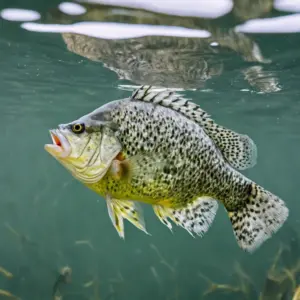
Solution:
(44, 211)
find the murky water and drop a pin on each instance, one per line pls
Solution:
(237, 63)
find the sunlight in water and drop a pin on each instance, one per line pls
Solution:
(117, 30)
(200, 8)
(70, 8)
(283, 24)
(16, 14)
(287, 5)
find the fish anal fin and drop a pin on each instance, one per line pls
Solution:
(115, 217)
(162, 215)
(195, 218)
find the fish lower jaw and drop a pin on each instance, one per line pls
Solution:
(55, 150)
(60, 147)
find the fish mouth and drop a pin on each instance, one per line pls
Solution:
(60, 146)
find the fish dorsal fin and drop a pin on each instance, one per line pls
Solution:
(238, 149)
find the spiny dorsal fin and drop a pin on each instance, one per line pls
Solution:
(239, 150)
(171, 99)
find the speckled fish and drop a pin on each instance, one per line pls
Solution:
(159, 148)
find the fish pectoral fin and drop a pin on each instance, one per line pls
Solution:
(195, 218)
(142, 166)
(126, 209)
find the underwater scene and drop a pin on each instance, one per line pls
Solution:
(150, 150)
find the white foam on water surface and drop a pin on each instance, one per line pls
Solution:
(282, 24)
(19, 15)
(71, 8)
(193, 8)
(117, 30)
(287, 5)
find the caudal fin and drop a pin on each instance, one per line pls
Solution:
(261, 216)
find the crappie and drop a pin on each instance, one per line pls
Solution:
(159, 148)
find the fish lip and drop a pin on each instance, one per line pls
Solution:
(63, 150)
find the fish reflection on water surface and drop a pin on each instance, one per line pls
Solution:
(170, 61)
(159, 148)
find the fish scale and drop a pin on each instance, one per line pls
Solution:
(185, 161)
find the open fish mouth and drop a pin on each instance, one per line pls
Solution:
(60, 146)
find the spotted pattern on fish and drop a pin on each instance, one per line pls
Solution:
(193, 165)
(238, 149)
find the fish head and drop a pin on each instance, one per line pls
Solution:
(86, 150)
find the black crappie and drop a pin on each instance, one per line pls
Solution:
(159, 148)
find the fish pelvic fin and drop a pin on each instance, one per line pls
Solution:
(196, 217)
(115, 217)
(258, 219)
(125, 209)
(238, 149)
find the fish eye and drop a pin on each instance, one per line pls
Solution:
(78, 128)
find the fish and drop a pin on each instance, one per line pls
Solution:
(65, 276)
(159, 148)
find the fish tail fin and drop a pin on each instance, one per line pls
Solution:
(195, 218)
(261, 215)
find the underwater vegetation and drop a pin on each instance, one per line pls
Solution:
(281, 280)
